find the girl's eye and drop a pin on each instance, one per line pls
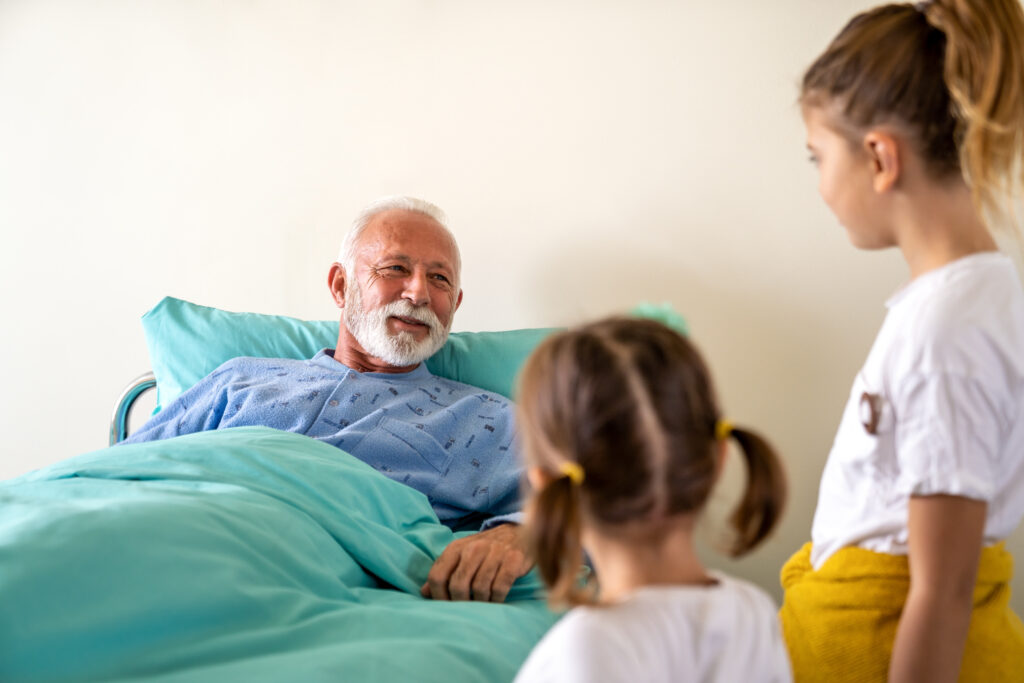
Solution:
(813, 159)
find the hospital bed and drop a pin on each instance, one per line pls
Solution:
(244, 554)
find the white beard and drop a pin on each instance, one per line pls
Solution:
(370, 329)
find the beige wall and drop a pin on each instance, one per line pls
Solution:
(591, 155)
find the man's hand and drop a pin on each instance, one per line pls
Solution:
(479, 567)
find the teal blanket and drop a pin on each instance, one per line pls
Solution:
(237, 555)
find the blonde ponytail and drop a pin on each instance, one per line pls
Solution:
(984, 71)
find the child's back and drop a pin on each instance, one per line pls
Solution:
(722, 633)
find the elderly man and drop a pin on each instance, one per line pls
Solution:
(397, 284)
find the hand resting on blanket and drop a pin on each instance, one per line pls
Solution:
(479, 567)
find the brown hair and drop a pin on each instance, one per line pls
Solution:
(630, 402)
(965, 118)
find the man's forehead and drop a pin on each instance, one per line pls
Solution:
(408, 235)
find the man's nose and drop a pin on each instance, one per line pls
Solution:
(416, 289)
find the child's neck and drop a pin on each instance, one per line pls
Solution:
(939, 226)
(623, 564)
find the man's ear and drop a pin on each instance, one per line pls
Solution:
(458, 301)
(884, 154)
(336, 283)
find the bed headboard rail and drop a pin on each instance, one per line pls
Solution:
(123, 408)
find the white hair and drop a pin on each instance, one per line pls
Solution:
(346, 255)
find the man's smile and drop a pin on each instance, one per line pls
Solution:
(410, 322)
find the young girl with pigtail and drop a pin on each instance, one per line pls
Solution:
(915, 118)
(623, 441)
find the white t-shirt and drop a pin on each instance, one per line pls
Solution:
(727, 632)
(946, 377)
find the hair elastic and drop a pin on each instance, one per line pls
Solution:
(723, 429)
(573, 471)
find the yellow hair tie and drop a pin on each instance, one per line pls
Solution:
(723, 429)
(573, 471)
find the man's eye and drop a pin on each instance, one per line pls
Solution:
(440, 278)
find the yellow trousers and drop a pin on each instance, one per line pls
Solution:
(840, 621)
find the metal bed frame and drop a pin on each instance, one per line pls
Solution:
(123, 408)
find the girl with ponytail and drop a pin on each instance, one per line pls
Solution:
(623, 440)
(915, 118)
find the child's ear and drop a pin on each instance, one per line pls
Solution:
(884, 156)
(537, 477)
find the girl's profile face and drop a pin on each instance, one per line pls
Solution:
(845, 181)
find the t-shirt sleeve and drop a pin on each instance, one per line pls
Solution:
(949, 428)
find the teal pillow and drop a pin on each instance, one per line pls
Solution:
(187, 341)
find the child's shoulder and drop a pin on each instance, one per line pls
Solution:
(730, 597)
(948, 316)
(971, 288)
(744, 590)
(730, 626)
(727, 597)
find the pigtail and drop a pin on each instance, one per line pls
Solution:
(984, 71)
(554, 536)
(764, 497)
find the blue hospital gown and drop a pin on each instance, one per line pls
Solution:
(452, 442)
